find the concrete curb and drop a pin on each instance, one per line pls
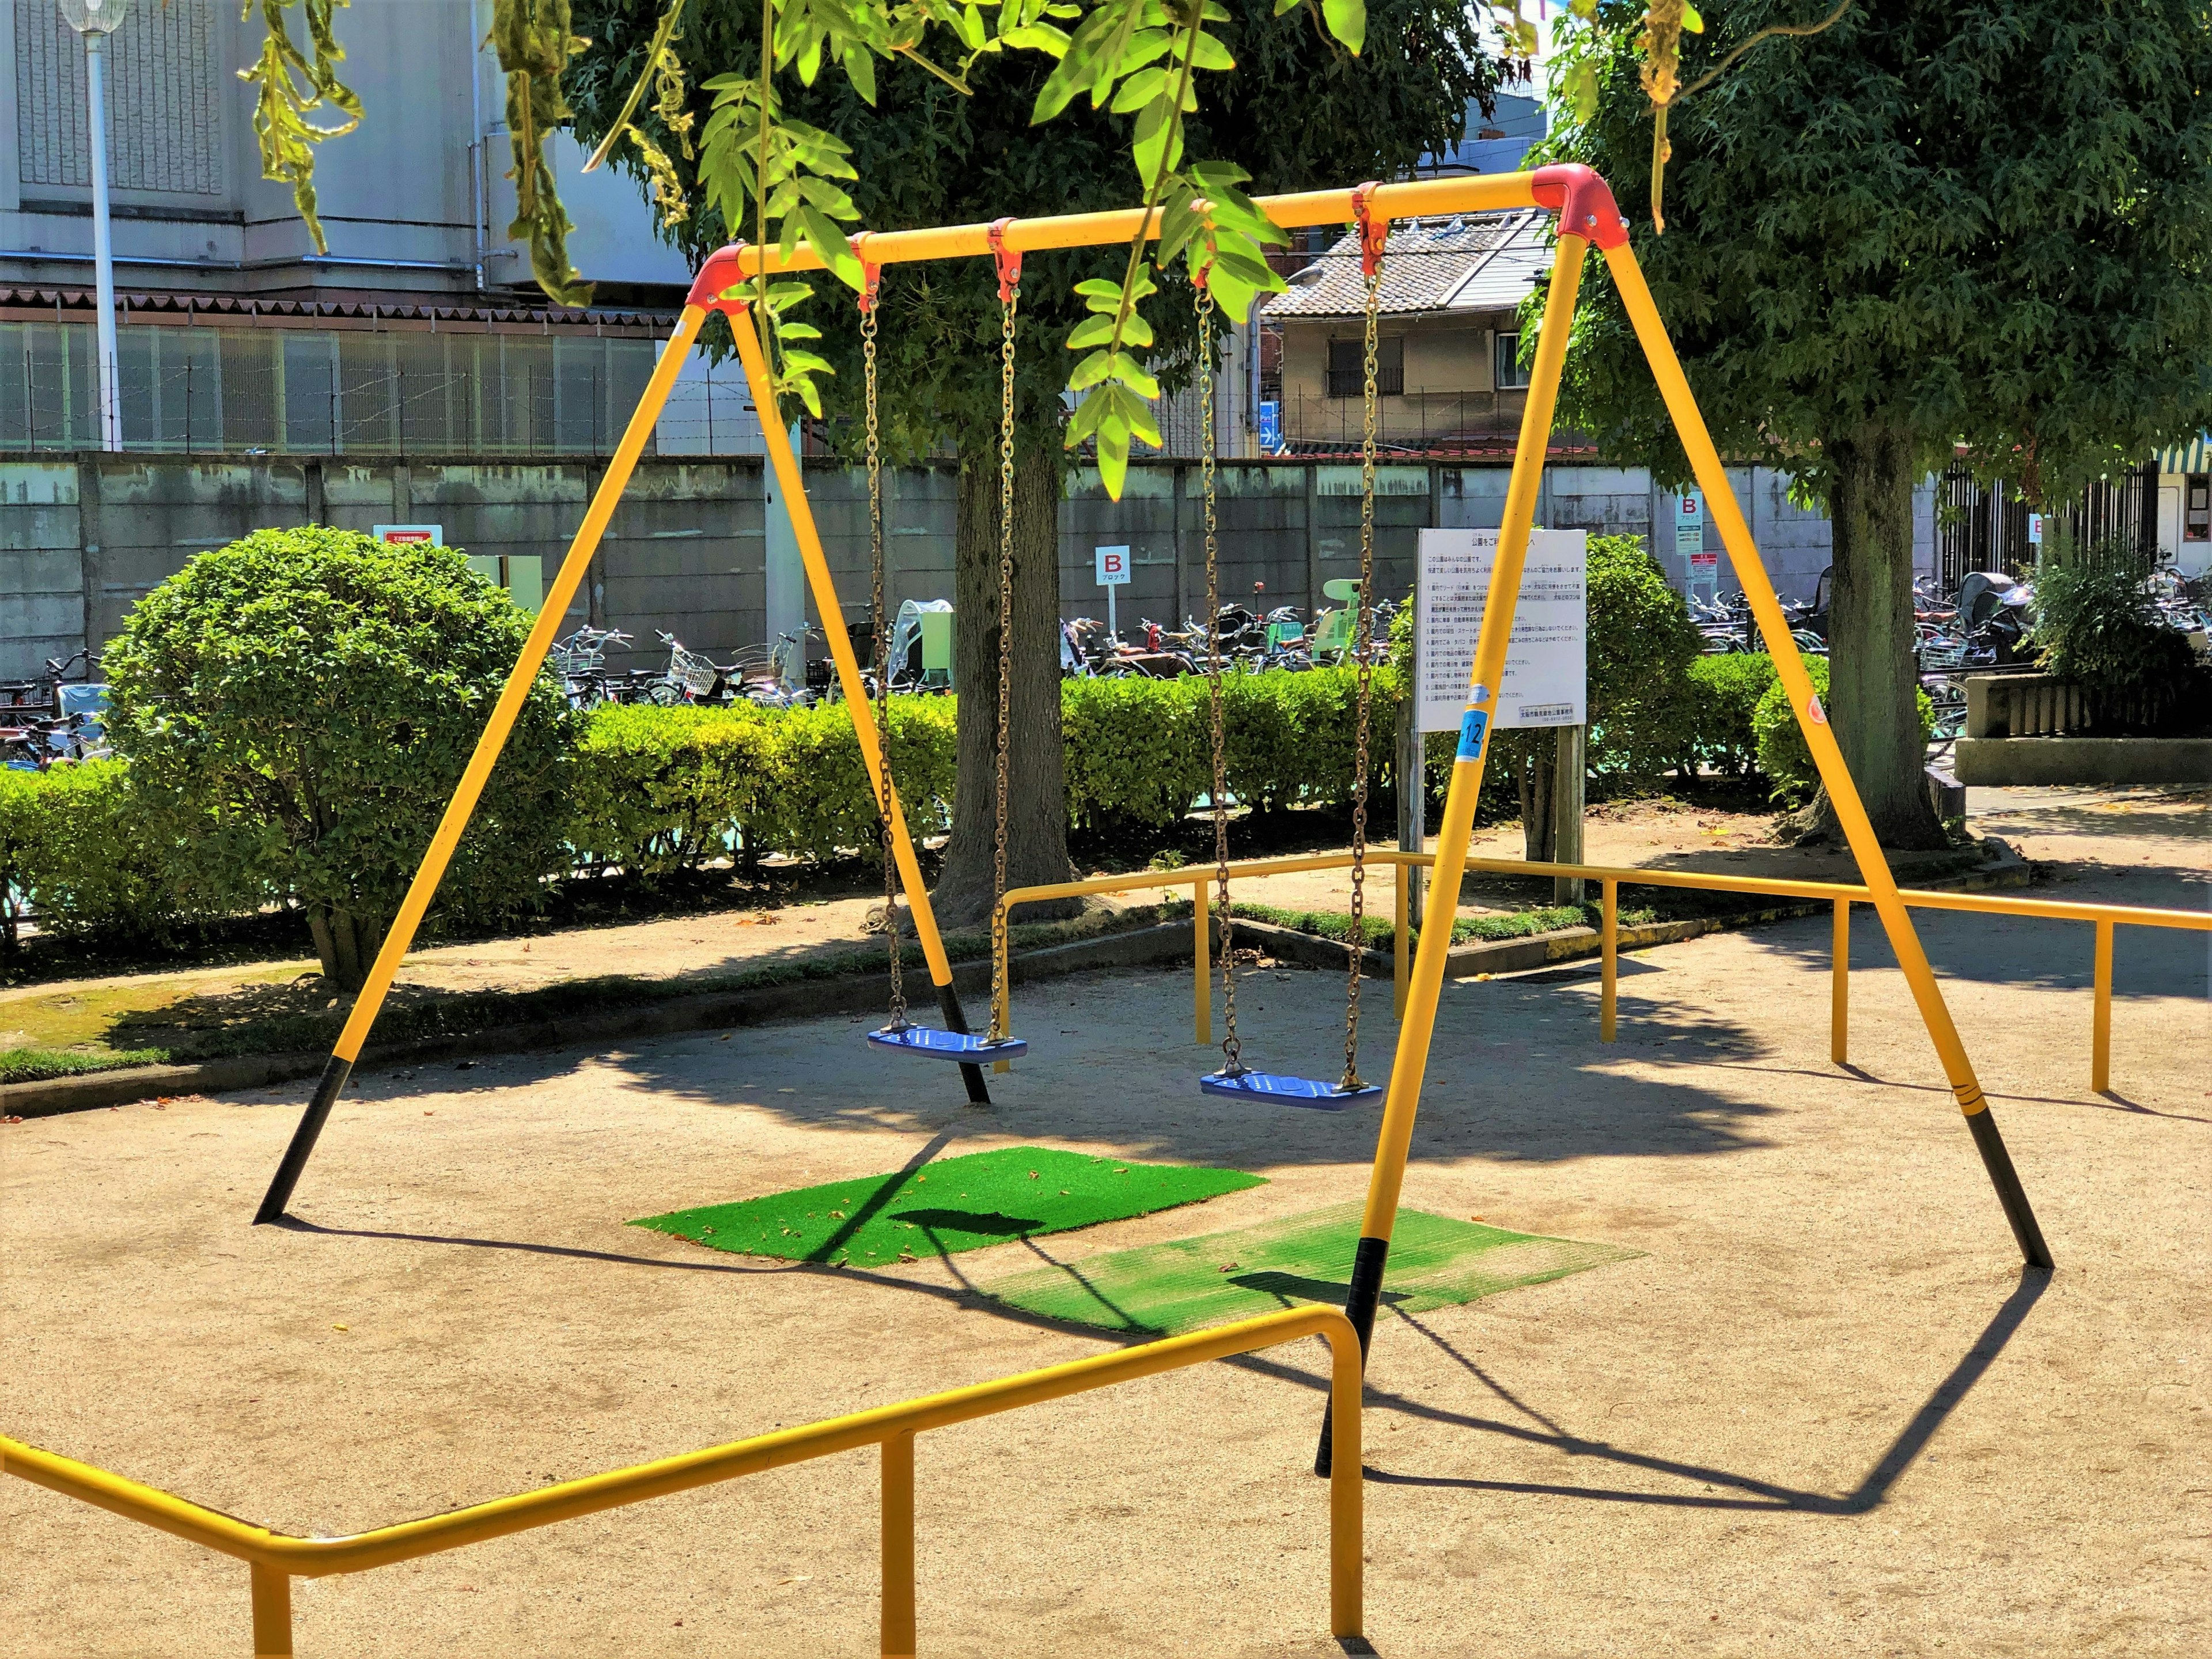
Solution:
(845, 993)
(849, 994)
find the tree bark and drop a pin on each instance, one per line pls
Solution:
(1036, 794)
(1872, 701)
(1538, 821)
(346, 944)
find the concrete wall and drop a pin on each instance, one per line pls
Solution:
(83, 538)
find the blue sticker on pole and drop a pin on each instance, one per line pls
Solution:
(1471, 727)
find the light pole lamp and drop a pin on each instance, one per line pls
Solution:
(95, 20)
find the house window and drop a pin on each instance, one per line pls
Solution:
(1511, 376)
(2196, 508)
(1347, 371)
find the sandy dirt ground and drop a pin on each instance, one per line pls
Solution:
(1824, 1413)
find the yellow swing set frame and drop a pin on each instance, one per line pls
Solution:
(1587, 217)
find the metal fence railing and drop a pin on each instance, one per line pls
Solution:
(275, 1558)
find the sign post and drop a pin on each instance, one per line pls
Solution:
(1113, 571)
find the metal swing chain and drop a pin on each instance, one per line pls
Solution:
(882, 654)
(1363, 642)
(1010, 295)
(1230, 1047)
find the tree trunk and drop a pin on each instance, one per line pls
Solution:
(1539, 820)
(1037, 796)
(346, 944)
(1872, 699)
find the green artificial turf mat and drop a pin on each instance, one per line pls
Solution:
(957, 1204)
(1164, 1290)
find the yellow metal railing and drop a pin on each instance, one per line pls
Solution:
(275, 1558)
(1610, 880)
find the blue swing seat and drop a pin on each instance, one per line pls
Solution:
(937, 1044)
(1307, 1091)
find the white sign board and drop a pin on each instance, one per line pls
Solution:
(1547, 665)
(1690, 525)
(1113, 566)
(2035, 529)
(433, 534)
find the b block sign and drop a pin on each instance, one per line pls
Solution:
(1546, 666)
(1113, 566)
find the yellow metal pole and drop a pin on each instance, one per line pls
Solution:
(478, 771)
(1402, 879)
(272, 1611)
(789, 479)
(1403, 1099)
(1813, 721)
(898, 1637)
(1347, 1527)
(1609, 941)
(2101, 1031)
(1839, 989)
(1201, 914)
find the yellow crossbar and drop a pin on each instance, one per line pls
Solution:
(278, 1557)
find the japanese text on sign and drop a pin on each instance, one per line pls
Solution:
(1546, 657)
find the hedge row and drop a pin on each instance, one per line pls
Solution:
(654, 791)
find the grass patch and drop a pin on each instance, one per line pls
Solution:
(1380, 932)
(35, 1065)
(1164, 1290)
(965, 1203)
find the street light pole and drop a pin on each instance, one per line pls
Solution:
(95, 20)
(103, 252)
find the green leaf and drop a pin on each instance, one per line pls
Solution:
(1038, 37)
(1211, 54)
(968, 24)
(1094, 331)
(804, 387)
(1139, 89)
(860, 69)
(1112, 463)
(1088, 373)
(830, 200)
(1348, 21)
(1085, 421)
(1096, 288)
(1131, 374)
(1691, 22)
(1158, 140)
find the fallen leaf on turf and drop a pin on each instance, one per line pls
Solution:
(340, 1327)
(800, 1578)
(1229, 1267)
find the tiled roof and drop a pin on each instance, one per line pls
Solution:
(1426, 264)
(84, 300)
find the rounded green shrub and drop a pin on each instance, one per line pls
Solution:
(311, 695)
(1723, 697)
(1783, 755)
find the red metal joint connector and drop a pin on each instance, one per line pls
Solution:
(721, 282)
(872, 275)
(1009, 262)
(1374, 232)
(1584, 202)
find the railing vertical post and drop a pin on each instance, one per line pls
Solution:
(1401, 924)
(1347, 1536)
(1839, 990)
(1609, 955)
(898, 1547)
(272, 1612)
(2101, 1031)
(1201, 918)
